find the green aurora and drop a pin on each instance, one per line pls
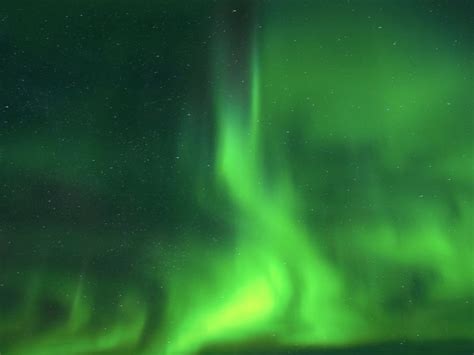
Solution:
(308, 185)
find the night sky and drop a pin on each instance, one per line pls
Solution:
(236, 177)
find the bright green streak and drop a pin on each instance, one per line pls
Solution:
(270, 276)
(279, 283)
(347, 169)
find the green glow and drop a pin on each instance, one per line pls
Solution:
(327, 198)
(278, 283)
(79, 332)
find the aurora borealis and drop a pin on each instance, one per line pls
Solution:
(245, 177)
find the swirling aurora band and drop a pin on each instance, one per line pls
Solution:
(347, 219)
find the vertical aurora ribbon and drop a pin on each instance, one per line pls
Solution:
(284, 281)
(332, 206)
